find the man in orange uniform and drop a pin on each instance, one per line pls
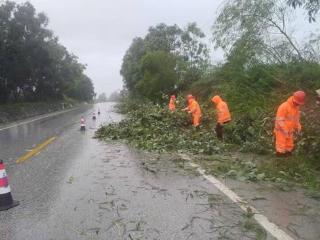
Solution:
(287, 123)
(194, 109)
(172, 106)
(222, 114)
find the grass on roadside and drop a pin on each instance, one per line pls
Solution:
(284, 172)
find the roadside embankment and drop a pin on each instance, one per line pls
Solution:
(19, 111)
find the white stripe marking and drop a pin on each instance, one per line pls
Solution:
(270, 227)
(37, 119)
(4, 190)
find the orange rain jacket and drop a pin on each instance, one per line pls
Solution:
(223, 113)
(287, 122)
(172, 106)
(194, 109)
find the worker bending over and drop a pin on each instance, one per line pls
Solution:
(223, 115)
(193, 109)
(172, 103)
(287, 123)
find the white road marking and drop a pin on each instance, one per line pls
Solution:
(4, 189)
(270, 227)
(37, 119)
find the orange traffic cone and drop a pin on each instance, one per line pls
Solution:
(6, 201)
(82, 124)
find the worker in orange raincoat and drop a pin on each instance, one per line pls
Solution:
(287, 123)
(222, 114)
(193, 109)
(172, 105)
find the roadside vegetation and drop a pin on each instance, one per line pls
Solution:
(22, 110)
(152, 127)
(34, 66)
(264, 64)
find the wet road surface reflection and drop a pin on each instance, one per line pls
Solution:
(80, 188)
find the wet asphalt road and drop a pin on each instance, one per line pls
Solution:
(80, 188)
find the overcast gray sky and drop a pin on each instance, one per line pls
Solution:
(100, 31)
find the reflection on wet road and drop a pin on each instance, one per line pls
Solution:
(80, 188)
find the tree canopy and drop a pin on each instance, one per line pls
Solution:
(260, 31)
(34, 66)
(167, 59)
(158, 74)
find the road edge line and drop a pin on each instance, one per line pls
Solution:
(263, 221)
(37, 119)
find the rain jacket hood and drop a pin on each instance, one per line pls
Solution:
(216, 100)
(222, 110)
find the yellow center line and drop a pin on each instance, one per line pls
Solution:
(36, 150)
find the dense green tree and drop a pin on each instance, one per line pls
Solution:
(159, 75)
(191, 57)
(130, 69)
(191, 48)
(80, 89)
(163, 38)
(33, 64)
